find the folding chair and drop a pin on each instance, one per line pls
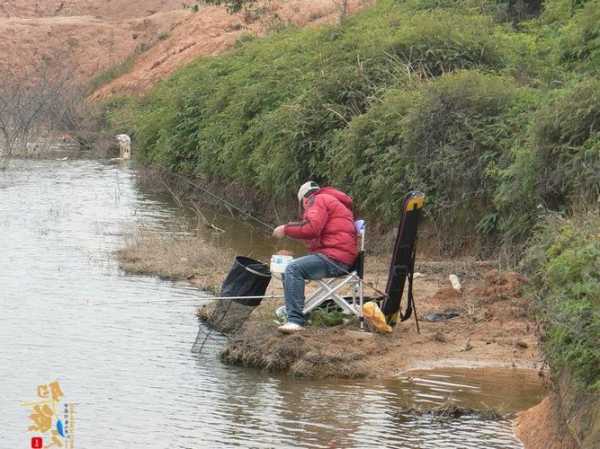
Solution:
(329, 289)
(402, 265)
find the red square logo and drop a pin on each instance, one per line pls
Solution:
(37, 443)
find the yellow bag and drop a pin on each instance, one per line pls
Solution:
(374, 315)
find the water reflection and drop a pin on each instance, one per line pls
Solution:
(69, 314)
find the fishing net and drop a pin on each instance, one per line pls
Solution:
(247, 277)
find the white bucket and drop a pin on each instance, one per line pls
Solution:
(279, 263)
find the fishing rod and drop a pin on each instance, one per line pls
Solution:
(188, 300)
(198, 346)
(259, 221)
(227, 203)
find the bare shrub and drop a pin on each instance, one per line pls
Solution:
(42, 106)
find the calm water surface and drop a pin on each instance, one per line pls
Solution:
(120, 345)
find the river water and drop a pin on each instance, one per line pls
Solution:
(119, 345)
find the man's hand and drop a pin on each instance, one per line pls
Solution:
(278, 232)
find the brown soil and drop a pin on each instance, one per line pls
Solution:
(83, 36)
(542, 427)
(89, 37)
(211, 31)
(110, 9)
(493, 330)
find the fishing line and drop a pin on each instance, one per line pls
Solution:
(267, 225)
(227, 203)
(198, 347)
(186, 300)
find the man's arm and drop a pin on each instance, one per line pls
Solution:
(314, 221)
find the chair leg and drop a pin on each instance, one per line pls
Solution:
(317, 297)
(330, 293)
(355, 294)
(361, 299)
(416, 318)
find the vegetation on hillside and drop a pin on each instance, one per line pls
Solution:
(458, 99)
(565, 268)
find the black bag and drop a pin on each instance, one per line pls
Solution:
(247, 277)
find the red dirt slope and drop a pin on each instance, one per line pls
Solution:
(106, 9)
(88, 37)
(211, 31)
(85, 36)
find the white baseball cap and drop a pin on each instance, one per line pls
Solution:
(306, 188)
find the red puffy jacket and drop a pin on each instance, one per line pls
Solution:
(328, 225)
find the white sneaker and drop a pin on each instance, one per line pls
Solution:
(290, 328)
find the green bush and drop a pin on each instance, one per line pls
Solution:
(297, 136)
(558, 166)
(439, 42)
(561, 11)
(566, 141)
(427, 94)
(580, 46)
(449, 138)
(564, 266)
(500, 10)
(208, 119)
(267, 113)
(361, 157)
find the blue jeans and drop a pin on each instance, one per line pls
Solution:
(313, 267)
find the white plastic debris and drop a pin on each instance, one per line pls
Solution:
(455, 282)
(124, 145)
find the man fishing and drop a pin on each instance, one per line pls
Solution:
(327, 227)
